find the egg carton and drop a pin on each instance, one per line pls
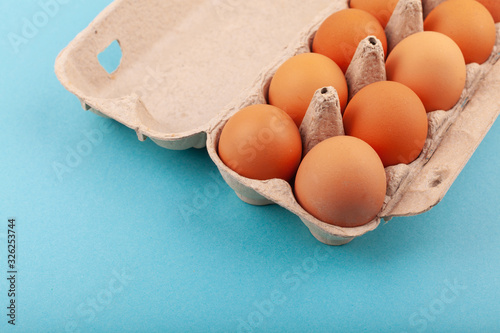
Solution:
(188, 66)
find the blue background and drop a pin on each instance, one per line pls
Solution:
(136, 238)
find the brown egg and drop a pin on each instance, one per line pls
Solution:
(390, 117)
(432, 65)
(341, 181)
(339, 35)
(493, 7)
(261, 142)
(469, 24)
(381, 9)
(293, 86)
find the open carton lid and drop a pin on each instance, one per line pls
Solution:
(188, 66)
(183, 62)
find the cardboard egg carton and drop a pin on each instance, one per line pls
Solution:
(188, 66)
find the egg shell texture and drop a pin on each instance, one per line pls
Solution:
(341, 181)
(391, 118)
(381, 9)
(298, 78)
(493, 7)
(432, 65)
(261, 142)
(339, 35)
(468, 23)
